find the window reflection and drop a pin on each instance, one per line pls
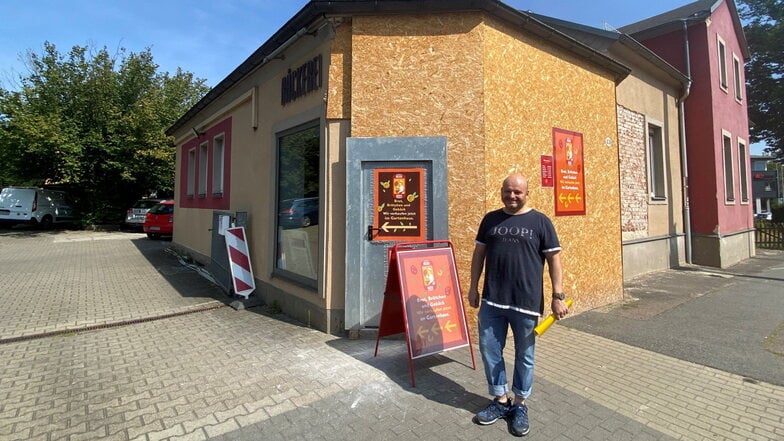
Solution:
(298, 201)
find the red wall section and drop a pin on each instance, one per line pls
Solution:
(208, 201)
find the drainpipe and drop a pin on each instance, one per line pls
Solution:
(684, 156)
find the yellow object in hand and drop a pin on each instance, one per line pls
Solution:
(546, 323)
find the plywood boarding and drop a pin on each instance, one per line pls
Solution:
(530, 88)
(422, 76)
(496, 94)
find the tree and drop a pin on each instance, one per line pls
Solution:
(94, 124)
(765, 71)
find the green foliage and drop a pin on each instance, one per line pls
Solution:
(93, 124)
(765, 71)
(777, 211)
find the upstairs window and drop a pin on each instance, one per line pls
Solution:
(191, 189)
(722, 64)
(203, 169)
(738, 83)
(217, 165)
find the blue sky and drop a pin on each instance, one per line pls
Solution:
(211, 38)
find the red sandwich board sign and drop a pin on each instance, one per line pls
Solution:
(239, 261)
(422, 298)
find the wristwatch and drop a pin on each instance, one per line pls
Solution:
(559, 296)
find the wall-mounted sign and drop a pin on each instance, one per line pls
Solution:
(301, 81)
(399, 202)
(547, 170)
(569, 173)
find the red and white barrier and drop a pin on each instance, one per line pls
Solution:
(239, 261)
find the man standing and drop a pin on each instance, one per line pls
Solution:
(512, 245)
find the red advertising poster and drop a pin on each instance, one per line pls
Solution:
(547, 170)
(399, 203)
(432, 300)
(569, 174)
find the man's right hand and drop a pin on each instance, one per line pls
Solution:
(473, 297)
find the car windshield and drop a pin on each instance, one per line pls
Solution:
(145, 204)
(162, 209)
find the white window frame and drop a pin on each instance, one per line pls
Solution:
(722, 54)
(204, 149)
(736, 70)
(191, 178)
(743, 172)
(657, 163)
(218, 156)
(727, 162)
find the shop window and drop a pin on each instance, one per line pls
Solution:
(729, 179)
(203, 163)
(738, 83)
(657, 184)
(217, 165)
(722, 64)
(191, 190)
(298, 203)
(742, 160)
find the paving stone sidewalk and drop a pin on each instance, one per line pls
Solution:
(243, 375)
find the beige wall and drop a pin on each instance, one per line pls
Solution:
(652, 230)
(493, 91)
(253, 156)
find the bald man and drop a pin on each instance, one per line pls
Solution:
(512, 245)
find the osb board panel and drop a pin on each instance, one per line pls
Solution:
(339, 79)
(421, 76)
(530, 88)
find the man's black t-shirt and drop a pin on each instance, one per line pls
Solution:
(514, 259)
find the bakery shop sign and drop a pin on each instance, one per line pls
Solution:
(301, 81)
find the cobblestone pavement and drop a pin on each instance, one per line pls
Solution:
(244, 375)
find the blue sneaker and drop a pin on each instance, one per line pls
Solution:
(493, 411)
(519, 416)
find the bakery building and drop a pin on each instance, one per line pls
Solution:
(361, 124)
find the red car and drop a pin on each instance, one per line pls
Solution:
(159, 221)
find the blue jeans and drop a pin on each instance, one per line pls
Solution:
(493, 326)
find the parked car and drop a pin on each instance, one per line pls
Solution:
(134, 217)
(37, 206)
(159, 220)
(764, 215)
(296, 213)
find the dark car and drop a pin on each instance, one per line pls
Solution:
(296, 213)
(764, 215)
(159, 221)
(134, 217)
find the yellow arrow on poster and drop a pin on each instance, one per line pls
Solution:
(562, 198)
(421, 332)
(435, 329)
(450, 326)
(386, 227)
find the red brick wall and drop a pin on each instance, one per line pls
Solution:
(634, 180)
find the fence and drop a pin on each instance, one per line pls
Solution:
(769, 235)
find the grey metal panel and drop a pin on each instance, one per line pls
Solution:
(389, 152)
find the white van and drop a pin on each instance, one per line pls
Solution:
(33, 205)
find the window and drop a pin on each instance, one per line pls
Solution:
(722, 64)
(729, 181)
(742, 159)
(191, 172)
(217, 165)
(298, 203)
(203, 169)
(656, 166)
(738, 83)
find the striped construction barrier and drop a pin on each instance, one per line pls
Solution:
(239, 261)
